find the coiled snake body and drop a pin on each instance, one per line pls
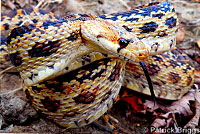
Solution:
(73, 68)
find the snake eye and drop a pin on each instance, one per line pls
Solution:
(123, 42)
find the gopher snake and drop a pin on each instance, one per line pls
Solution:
(49, 56)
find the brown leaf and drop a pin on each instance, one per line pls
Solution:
(182, 106)
(159, 123)
(164, 121)
(180, 35)
(198, 43)
(195, 120)
(197, 73)
(197, 59)
(21, 3)
(197, 76)
(10, 4)
(149, 104)
(198, 1)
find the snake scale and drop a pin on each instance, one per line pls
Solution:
(73, 68)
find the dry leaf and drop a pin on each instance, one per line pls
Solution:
(195, 120)
(182, 106)
(22, 3)
(10, 4)
(196, 1)
(197, 73)
(197, 59)
(166, 117)
(180, 35)
(158, 123)
(135, 103)
(198, 43)
(164, 120)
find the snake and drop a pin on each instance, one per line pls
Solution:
(73, 67)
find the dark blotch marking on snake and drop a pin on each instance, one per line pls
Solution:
(36, 89)
(173, 63)
(91, 67)
(149, 27)
(16, 59)
(131, 19)
(34, 21)
(28, 96)
(127, 28)
(73, 36)
(20, 31)
(158, 15)
(171, 22)
(174, 77)
(115, 74)
(50, 104)
(178, 91)
(187, 68)
(106, 96)
(59, 85)
(55, 86)
(157, 58)
(6, 26)
(52, 23)
(163, 34)
(81, 17)
(141, 10)
(159, 82)
(20, 22)
(171, 44)
(154, 69)
(40, 50)
(85, 97)
(189, 80)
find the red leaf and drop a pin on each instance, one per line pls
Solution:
(135, 102)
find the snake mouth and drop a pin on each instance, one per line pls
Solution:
(143, 55)
(134, 53)
(135, 59)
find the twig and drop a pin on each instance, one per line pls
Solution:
(15, 90)
(5, 70)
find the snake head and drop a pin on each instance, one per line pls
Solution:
(115, 40)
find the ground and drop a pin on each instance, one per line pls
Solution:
(18, 116)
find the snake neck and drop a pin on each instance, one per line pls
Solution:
(47, 49)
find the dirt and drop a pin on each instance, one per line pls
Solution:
(18, 116)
